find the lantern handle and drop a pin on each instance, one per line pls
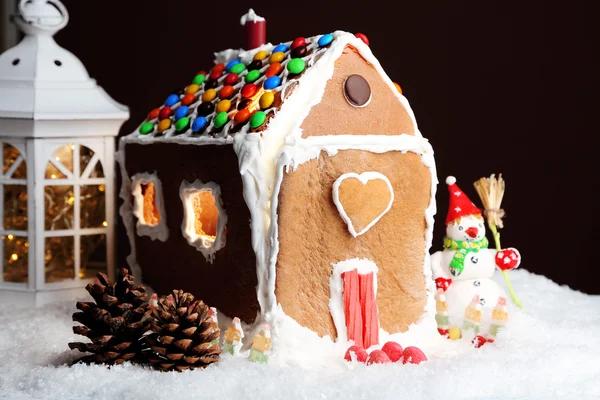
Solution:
(38, 24)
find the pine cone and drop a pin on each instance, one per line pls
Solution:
(115, 323)
(184, 336)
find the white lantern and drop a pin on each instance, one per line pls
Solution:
(57, 129)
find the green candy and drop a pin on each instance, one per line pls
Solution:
(146, 128)
(296, 65)
(182, 124)
(238, 68)
(257, 119)
(199, 79)
(252, 76)
(221, 119)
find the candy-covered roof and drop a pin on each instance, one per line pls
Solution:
(239, 94)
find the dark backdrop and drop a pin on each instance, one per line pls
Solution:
(497, 86)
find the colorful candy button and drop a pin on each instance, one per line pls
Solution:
(181, 112)
(276, 57)
(199, 124)
(153, 114)
(248, 90)
(299, 52)
(238, 68)
(223, 106)
(241, 116)
(211, 84)
(261, 55)
(274, 69)
(282, 48)
(398, 87)
(199, 79)
(243, 104)
(272, 82)
(252, 76)
(299, 41)
(363, 37)
(165, 112)
(296, 65)
(220, 120)
(214, 75)
(209, 95)
(257, 119)
(146, 128)
(325, 40)
(218, 67)
(171, 100)
(205, 108)
(226, 92)
(193, 88)
(230, 79)
(201, 73)
(266, 100)
(182, 125)
(188, 99)
(231, 64)
(256, 64)
(164, 125)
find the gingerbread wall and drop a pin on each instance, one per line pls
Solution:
(313, 236)
(230, 282)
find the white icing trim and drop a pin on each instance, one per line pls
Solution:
(250, 16)
(158, 231)
(362, 178)
(208, 248)
(336, 287)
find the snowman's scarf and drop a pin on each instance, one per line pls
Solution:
(462, 247)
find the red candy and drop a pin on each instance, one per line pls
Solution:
(508, 259)
(164, 113)
(299, 41)
(363, 37)
(201, 72)
(478, 341)
(413, 355)
(188, 99)
(241, 116)
(214, 75)
(273, 70)
(378, 357)
(231, 79)
(248, 90)
(393, 350)
(219, 67)
(226, 92)
(359, 353)
(153, 114)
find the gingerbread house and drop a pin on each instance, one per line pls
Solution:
(287, 181)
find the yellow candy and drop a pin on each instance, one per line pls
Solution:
(454, 333)
(398, 87)
(209, 95)
(164, 125)
(276, 57)
(266, 100)
(261, 55)
(223, 106)
(193, 88)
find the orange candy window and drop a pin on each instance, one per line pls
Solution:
(206, 214)
(151, 214)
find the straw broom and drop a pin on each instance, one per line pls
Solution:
(491, 191)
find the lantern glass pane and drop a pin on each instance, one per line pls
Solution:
(10, 156)
(93, 208)
(58, 205)
(59, 259)
(15, 207)
(93, 256)
(54, 173)
(85, 156)
(15, 259)
(64, 155)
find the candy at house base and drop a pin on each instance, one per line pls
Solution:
(261, 345)
(393, 350)
(356, 353)
(473, 315)
(378, 357)
(413, 355)
(232, 341)
(454, 333)
(499, 317)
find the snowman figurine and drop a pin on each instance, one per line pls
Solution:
(466, 266)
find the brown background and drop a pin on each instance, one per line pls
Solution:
(497, 86)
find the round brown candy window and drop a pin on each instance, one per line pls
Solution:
(357, 91)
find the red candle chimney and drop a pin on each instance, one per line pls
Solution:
(255, 30)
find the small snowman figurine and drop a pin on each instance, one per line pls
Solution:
(465, 267)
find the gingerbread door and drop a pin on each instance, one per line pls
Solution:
(360, 308)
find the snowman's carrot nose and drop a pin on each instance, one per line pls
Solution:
(472, 231)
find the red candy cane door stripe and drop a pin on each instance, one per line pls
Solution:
(370, 314)
(352, 309)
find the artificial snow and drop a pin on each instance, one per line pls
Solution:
(551, 351)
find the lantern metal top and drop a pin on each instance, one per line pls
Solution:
(40, 80)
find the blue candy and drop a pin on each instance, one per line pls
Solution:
(198, 124)
(272, 82)
(181, 112)
(231, 64)
(171, 100)
(282, 48)
(325, 40)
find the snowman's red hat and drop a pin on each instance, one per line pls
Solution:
(460, 205)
